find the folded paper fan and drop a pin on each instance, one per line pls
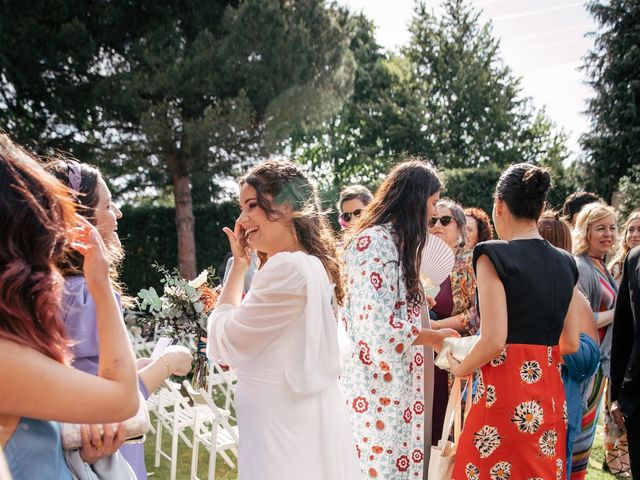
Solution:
(437, 262)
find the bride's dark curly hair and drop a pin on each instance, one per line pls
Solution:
(285, 183)
(36, 215)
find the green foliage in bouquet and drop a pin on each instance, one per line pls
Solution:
(184, 306)
(182, 311)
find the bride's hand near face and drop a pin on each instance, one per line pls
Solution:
(239, 250)
(233, 287)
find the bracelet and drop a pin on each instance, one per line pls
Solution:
(167, 364)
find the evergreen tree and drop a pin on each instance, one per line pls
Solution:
(612, 145)
(472, 110)
(359, 143)
(448, 97)
(171, 91)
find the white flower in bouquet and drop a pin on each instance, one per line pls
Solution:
(200, 280)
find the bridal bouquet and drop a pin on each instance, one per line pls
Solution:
(181, 312)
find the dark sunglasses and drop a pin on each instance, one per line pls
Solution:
(346, 216)
(444, 220)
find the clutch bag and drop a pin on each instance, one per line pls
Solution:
(459, 348)
(135, 428)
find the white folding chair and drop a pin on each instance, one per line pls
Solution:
(141, 346)
(221, 381)
(213, 430)
(160, 395)
(176, 414)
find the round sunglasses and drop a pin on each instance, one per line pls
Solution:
(346, 216)
(444, 220)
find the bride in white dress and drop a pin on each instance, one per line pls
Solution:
(282, 338)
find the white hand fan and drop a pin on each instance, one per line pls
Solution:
(436, 265)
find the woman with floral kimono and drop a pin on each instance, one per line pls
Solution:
(388, 381)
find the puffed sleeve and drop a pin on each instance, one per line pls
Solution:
(378, 321)
(276, 300)
(491, 249)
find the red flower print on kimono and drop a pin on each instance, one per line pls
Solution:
(419, 359)
(360, 404)
(393, 322)
(407, 415)
(381, 382)
(417, 456)
(365, 356)
(376, 280)
(403, 463)
(363, 243)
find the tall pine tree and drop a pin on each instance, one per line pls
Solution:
(612, 144)
(160, 93)
(472, 109)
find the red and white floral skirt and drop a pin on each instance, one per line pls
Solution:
(517, 425)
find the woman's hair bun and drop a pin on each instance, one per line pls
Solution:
(536, 181)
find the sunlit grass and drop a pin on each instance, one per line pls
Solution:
(223, 472)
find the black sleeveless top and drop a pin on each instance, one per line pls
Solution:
(538, 280)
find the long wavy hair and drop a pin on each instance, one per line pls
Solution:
(623, 249)
(402, 200)
(36, 215)
(86, 197)
(277, 183)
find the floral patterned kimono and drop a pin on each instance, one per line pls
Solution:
(383, 381)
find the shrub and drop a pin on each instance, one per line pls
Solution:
(148, 235)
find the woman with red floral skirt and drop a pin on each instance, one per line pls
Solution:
(529, 308)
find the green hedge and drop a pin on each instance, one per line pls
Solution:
(148, 235)
(472, 187)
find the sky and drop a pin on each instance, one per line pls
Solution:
(543, 41)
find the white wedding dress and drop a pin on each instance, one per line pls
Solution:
(283, 342)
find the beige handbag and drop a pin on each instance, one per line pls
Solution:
(443, 455)
(135, 428)
(459, 348)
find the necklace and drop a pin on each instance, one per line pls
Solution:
(599, 263)
(524, 236)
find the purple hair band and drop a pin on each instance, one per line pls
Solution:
(74, 175)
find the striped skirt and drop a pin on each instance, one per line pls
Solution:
(584, 439)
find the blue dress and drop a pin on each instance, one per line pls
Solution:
(34, 451)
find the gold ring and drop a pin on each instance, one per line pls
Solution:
(98, 446)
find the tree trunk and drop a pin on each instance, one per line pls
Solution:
(185, 221)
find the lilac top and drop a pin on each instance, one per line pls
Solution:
(79, 315)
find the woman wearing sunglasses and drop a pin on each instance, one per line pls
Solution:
(455, 302)
(353, 200)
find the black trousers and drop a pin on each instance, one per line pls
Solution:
(632, 423)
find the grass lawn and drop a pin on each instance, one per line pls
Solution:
(223, 472)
